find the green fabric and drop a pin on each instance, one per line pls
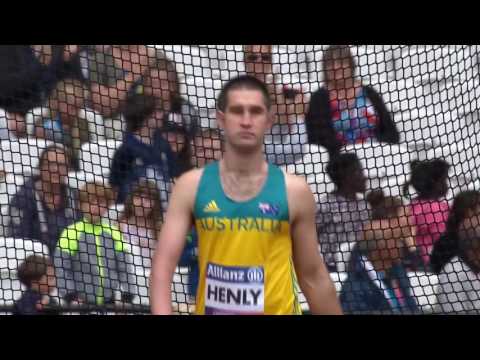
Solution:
(211, 193)
(71, 236)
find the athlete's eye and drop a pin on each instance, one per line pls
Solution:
(236, 110)
(256, 110)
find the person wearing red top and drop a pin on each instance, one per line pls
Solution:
(429, 209)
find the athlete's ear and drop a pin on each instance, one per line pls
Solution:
(221, 119)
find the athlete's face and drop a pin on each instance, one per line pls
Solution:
(245, 120)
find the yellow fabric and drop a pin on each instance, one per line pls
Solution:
(250, 242)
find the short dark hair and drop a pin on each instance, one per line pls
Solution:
(340, 165)
(426, 175)
(242, 82)
(33, 269)
(137, 108)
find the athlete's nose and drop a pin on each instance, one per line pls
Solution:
(246, 120)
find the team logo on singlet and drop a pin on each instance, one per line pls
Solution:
(268, 209)
(211, 207)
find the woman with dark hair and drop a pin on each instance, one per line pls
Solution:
(430, 208)
(377, 280)
(45, 205)
(345, 111)
(456, 257)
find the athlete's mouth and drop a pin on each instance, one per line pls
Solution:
(246, 134)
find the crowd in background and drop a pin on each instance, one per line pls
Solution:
(136, 90)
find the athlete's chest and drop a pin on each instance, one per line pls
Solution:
(262, 215)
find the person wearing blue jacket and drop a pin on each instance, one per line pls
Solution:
(147, 150)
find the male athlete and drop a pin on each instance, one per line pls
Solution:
(255, 224)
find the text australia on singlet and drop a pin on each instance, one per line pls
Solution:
(247, 224)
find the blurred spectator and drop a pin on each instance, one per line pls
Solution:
(340, 214)
(287, 102)
(206, 147)
(45, 205)
(179, 139)
(288, 134)
(152, 149)
(141, 221)
(143, 146)
(27, 75)
(64, 124)
(376, 278)
(91, 261)
(456, 257)
(345, 111)
(465, 207)
(161, 81)
(429, 208)
(37, 274)
(111, 71)
(140, 225)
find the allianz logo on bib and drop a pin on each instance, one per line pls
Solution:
(268, 209)
(234, 289)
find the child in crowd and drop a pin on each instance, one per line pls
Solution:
(340, 214)
(429, 208)
(91, 260)
(140, 224)
(377, 279)
(37, 274)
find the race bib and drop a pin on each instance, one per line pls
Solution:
(234, 290)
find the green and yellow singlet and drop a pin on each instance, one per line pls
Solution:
(245, 249)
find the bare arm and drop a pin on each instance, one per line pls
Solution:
(408, 229)
(312, 273)
(172, 240)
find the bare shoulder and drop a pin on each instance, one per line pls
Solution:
(297, 185)
(300, 198)
(189, 179)
(186, 185)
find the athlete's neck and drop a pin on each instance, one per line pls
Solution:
(243, 164)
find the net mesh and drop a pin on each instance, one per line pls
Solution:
(131, 118)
